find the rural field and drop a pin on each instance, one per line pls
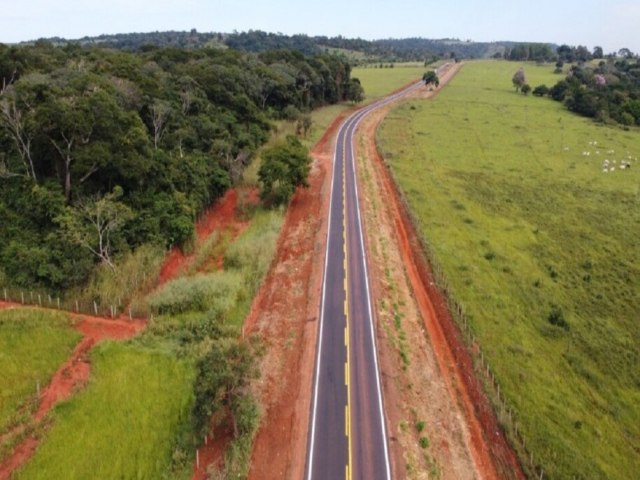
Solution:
(126, 422)
(378, 82)
(33, 344)
(539, 245)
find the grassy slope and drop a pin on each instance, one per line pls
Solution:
(124, 424)
(33, 345)
(378, 82)
(521, 220)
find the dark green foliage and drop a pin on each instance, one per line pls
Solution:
(525, 89)
(541, 91)
(169, 128)
(284, 167)
(223, 375)
(556, 317)
(609, 91)
(376, 51)
(539, 52)
(431, 77)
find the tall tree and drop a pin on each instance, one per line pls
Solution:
(519, 79)
(92, 223)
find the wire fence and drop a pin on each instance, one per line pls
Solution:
(506, 415)
(112, 310)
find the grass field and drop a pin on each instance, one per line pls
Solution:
(33, 345)
(540, 247)
(124, 425)
(378, 82)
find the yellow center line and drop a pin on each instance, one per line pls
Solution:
(347, 366)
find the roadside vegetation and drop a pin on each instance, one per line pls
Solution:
(33, 345)
(193, 362)
(124, 424)
(105, 151)
(536, 240)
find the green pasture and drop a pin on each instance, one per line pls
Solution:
(124, 424)
(33, 345)
(540, 246)
(378, 82)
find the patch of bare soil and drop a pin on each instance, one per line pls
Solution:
(69, 378)
(285, 315)
(222, 215)
(441, 423)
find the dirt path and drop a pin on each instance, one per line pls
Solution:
(69, 378)
(429, 384)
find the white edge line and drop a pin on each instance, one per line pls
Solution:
(355, 117)
(322, 310)
(366, 276)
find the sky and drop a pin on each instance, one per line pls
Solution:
(612, 24)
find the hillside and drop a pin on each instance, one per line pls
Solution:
(381, 50)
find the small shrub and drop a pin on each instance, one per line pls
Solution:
(424, 442)
(489, 255)
(556, 317)
(541, 91)
(420, 426)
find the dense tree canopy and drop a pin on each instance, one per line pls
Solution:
(609, 91)
(168, 129)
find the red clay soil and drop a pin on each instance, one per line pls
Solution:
(490, 449)
(75, 372)
(285, 315)
(70, 377)
(220, 216)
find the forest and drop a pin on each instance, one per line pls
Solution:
(609, 91)
(371, 51)
(104, 150)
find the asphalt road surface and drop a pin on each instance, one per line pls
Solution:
(347, 434)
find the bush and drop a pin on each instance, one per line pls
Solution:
(556, 317)
(541, 91)
(215, 292)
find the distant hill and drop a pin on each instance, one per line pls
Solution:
(357, 50)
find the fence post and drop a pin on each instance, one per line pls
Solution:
(198, 459)
(58, 303)
(95, 308)
(22, 296)
(77, 307)
(39, 300)
(49, 295)
(5, 294)
(130, 312)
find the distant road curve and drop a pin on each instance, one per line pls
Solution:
(347, 434)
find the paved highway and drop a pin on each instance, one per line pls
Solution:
(347, 434)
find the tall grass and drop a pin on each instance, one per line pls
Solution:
(33, 345)
(217, 291)
(135, 273)
(537, 245)
(124, 425)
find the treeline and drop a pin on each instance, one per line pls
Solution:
(103, 150)
(609, 91)
(384, 50)
(537, 52)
